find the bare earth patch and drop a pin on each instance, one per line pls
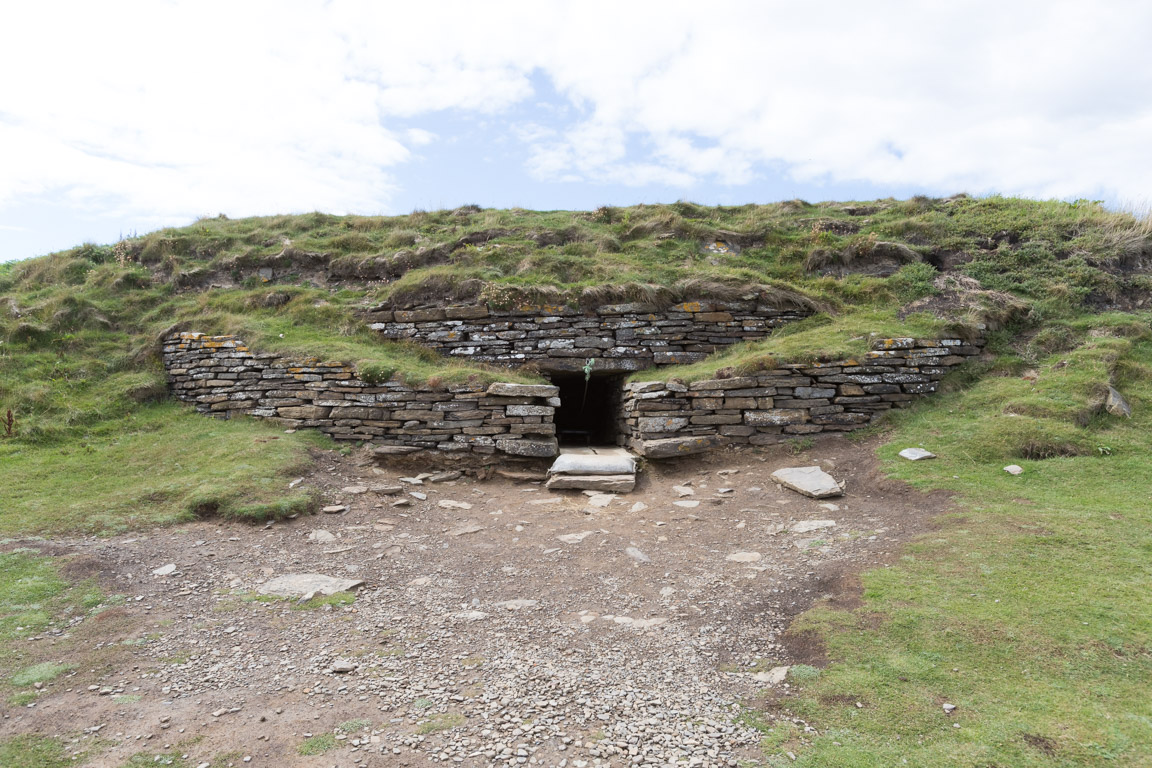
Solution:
(480, 635)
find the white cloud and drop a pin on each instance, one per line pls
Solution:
(169, 110)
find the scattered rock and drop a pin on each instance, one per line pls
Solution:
(1014, 469)
(301, 584)
(638, 507)
(916, 454)
(637, 555)
(574, 538)
(774, 676)
(743, 557)
(295, 483)
(807, 526)
(165, 570)
(517, 605)
(472, 615)
(683, 490)
(450, 504)
(334, 509)
(615, 483)
(809, 481)
(949, 708)
(321, 536)
(385, 490)
(464, 530)
(342, 666)
(354, 490)
(687, 503)
(601, 500)
(444, 477)
(522, 474)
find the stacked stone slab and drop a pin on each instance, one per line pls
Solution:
(223, 377)
(621, 337)
(669, 418)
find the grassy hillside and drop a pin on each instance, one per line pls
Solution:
(1028, 610)
(79, 328)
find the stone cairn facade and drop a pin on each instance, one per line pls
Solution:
(222, 377)
(660, 419)
(621, 337)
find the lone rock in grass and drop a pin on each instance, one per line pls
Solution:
(1116, 405)
(810, 481)
(916, 454)
(1014, 469)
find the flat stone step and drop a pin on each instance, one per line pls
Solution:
(618, 462)
(613, 483)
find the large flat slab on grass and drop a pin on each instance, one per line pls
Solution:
(304, 584)
(810, 481)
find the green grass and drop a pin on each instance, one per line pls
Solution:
(318, 745)
(35, 597)
(441, 723)
(164, 464)
(31, 751)
(353, 726)
(1029, 609)
(39, 673)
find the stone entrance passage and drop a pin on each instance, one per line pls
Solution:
(589, 410)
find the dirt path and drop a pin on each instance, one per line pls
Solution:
(479, 636)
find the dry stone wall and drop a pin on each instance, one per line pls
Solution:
(669, 418)
(621, 337)
(222, 377)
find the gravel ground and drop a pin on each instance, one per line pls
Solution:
(479, 637)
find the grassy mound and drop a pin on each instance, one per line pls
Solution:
(81, 374)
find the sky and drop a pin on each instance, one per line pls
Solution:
(118, 118)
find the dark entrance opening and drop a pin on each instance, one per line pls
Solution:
(587, 416)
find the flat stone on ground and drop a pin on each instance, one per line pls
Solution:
(334, 509)
(774, 676)
(637, 555)
(613, 483)
(678, 446)
(614, 463)
(743, 557)
(807, 526)
(302, 584)
(810, 481)
(574, 538)
(916, 454)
